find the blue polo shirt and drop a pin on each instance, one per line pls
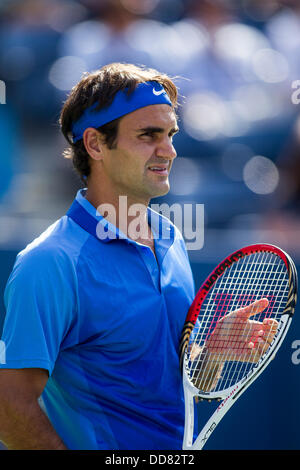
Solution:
(103, 316)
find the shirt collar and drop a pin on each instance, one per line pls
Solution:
(87, 216)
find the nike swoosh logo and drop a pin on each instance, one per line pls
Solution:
(158, 92)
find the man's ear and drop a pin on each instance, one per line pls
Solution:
(93, 143)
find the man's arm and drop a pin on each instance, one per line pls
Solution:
(23, 424)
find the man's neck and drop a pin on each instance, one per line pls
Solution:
(129, 214)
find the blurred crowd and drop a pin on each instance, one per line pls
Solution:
(236, 64)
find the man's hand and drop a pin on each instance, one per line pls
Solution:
(236, 338)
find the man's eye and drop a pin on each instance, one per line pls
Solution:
(172, 135)
(147, 134)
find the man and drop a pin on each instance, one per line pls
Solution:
(95, 305)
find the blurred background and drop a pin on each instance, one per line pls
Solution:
(236, 64)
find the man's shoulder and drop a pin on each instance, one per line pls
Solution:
(59, 244)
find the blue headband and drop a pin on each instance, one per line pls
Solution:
(145, 94)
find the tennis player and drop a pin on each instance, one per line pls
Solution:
(94, 312)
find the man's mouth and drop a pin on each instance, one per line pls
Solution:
(159, 169)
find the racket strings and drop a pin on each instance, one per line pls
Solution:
(225, 291)
(256, 276)
(241, 335)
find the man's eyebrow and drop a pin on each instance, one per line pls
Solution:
(159, 130)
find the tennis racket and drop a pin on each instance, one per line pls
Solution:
(233, 329)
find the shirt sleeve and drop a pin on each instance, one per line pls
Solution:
(40, 308)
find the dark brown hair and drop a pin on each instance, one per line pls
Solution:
(101, 86)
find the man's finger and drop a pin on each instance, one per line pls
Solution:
(252, 309)
(270, 323)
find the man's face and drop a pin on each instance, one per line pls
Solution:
(140, 164)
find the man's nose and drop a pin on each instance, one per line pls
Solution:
(166, 149)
